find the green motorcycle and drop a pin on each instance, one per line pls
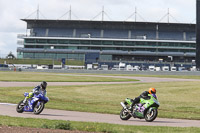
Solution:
(146, 109)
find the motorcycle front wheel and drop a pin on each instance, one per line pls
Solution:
(20, 107)
(151, 115)
(124, 115)
(39, 106)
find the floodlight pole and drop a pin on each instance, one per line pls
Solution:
(197, 34)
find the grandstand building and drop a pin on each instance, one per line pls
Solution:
(109, 42)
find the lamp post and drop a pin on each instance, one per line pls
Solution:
(171, 60)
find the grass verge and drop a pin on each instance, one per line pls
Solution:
(90, 126)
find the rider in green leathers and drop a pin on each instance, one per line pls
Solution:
(144, 95)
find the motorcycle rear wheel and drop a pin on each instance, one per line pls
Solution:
(38, 108)
(151, 115)
(20, 108)
(124, 115)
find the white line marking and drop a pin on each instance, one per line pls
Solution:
(9, 104)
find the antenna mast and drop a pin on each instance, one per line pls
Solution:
(38, 12)
(102, 13)
(168, 15)
(135, 14)
(70, 13)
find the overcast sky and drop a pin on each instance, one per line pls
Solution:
(11, 11)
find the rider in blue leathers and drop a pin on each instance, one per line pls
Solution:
(40, 89)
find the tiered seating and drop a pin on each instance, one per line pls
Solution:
(60, 32)
(170, 35)
(87, 33)
(116, 34)
(39, 31)
(143, 34)
(190, 36)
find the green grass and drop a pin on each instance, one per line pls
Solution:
(177, 99)
(51, 77)
(91, 127)
(41, 61)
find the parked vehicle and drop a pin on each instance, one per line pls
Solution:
(104, 67)
(151, 68)
(193, 68)
(89, 66)
(42, 67)
(182, 69)
(122, 66)
(115, 67)
(173, 69)
(158, 69)
(35, 104)
(129, 68)
(165, 68)
(136, 68)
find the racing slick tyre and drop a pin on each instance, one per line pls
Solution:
(20, 107)
(124, 115)
(151, 115)
(39, 106)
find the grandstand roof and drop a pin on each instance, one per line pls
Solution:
(126, 25)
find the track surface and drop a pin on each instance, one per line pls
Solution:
(141, 79)
(53, 114)
(9, 109)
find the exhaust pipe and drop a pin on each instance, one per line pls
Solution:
(123, 105)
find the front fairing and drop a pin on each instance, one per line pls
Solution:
(26, 94)
(128, 101)
(30, 106)
(41, 97)
(150, 102)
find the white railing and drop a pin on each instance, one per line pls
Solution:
(20, 42)
(21, 36)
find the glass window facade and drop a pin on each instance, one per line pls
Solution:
(51, 56)
(102, 45)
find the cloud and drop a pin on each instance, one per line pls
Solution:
(8, 43)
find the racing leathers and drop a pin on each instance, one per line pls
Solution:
(144, 95)
(37, 90)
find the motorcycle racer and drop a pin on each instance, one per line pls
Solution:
(40, 89)
(144, 95)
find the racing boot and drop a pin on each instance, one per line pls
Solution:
(133, 103)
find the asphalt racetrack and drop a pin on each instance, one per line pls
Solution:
(10, 109)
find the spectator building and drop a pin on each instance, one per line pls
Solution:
(109, 42)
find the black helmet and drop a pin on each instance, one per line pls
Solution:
(44, 84)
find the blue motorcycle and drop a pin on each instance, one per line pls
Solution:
(34, 104)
